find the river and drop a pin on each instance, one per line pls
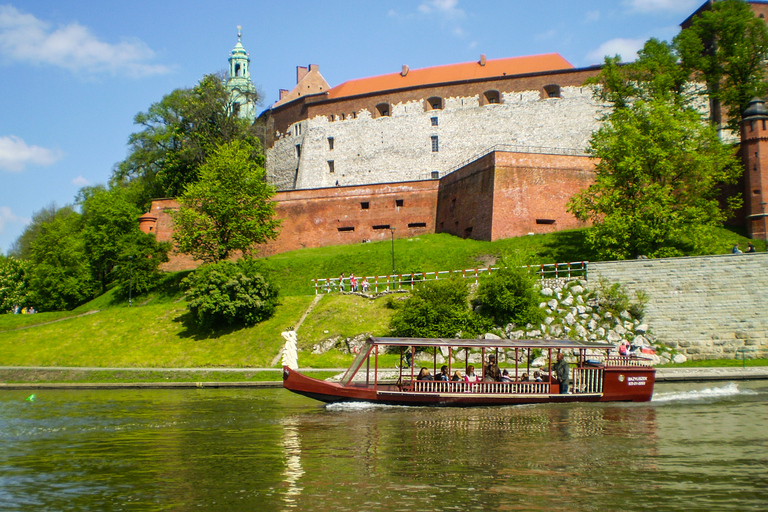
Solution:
(696, 446)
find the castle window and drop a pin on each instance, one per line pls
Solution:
(545, 221)
(435, 175)
(346, 228)
(398, 202)
(330, 143)
(435, 144)
(381, 226)
(343, 117)
(364, 205)
(354, 115)
(752, 126)
(468, 232)
(755, 192)
(552, 91)
(434, 121)
(298, 150)
(331, 118)
(417, 225)
(331, 166)
(434, 103)
(492, 97)
(383, 109)
(237, 69)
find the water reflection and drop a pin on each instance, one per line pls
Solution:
(293, 470)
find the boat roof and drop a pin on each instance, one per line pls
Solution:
(496, 343)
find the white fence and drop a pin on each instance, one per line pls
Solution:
(377, 284)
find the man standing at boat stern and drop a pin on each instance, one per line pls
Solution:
(563, 372)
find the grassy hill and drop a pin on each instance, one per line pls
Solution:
(156, 332)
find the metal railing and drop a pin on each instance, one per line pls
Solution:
(587, 380)
(377, 284)
(490, 388)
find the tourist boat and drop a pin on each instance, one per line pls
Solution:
(598, 375)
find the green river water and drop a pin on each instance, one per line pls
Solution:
(700, 446)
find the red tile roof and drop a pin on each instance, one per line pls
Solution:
(451, 73)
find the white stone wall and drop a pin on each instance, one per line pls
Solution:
(399, 147)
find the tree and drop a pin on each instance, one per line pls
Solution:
(179, 134)
(61, 277)
(438, 309)
(726, 47)
(229, 209)
(229, 293)
(21, 248)
(14, 283)
(508, 295)
(659, 163)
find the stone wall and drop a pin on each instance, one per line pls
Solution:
(706, 306)
(370, 148)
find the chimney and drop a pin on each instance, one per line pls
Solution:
(301, 72)
(314, 67)
(482, 59)
(283, 93)
(405, 70)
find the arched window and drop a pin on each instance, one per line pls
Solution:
(237, 69)
(434, 103)
(491, 97)
(552, 91)
(383, 110)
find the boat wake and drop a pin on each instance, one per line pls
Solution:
(359, 406)
(731, 389)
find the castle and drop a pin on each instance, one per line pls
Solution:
(486, 150)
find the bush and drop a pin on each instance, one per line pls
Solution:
(437, 309)
(508, 296)
(227, 293)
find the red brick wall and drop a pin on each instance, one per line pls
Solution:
(465, 201)
(754, 153)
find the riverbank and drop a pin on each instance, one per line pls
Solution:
(179, 378)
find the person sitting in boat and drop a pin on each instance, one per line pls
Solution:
(424, 374)
(537, 377)
(492, 372)
(457, 377)
(525, 378)
(505, 376)
(443, 375)
(470, 376)
(563, 372)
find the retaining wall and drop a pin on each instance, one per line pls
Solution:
(706, 306)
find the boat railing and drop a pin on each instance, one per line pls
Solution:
(588, 380)
(491, 388)
(627, 361)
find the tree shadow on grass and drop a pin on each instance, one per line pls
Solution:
(197, 333)
(567, 246)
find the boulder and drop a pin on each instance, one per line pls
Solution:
(568, 301)
(549, 320)
(491, 336)
(642, 328)
(539, 362)
(556, 330)
(619, 329)
(577, 290)
(534, 333)
(581, 332)
(592, 325)
(581, 309)
(552, 303)
(679, 358)
(613, 337)
(547, 292)
(625, 315)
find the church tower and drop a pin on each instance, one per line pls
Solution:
(241, 89)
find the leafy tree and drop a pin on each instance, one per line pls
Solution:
(60, 277)
(659, 164)
(178, 135)
(726, 47)
(137, 268)
(229, 209)
(508, 296)
(21, 248)
(229, 293)
(438, 309)
(14, 283)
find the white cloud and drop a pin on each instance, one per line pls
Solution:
(80, 181)
(8, 217)
(15, 154)
(627, 48)
(663, 5)
(445, 8)
(25, 38)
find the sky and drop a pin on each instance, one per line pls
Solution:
(74, 73)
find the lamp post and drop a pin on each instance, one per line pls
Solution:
(130, 282)
(392, 230)
(765, 228)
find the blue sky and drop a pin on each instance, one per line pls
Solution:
(73, 73)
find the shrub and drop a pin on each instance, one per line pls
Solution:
(437, 309)
(227, 293)
(508, 296)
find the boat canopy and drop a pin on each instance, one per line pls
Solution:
(497, 343)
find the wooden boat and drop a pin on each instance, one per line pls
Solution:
(598, 375)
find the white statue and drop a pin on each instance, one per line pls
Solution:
(290, 350)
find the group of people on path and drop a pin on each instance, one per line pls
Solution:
(737, 250)
(354, 284)
(492, 373)
(17, 310)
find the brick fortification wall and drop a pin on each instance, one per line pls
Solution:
(706, 306)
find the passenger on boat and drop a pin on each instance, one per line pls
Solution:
(443, 375)
(505, 376)
(537, 377)
(563, 372)
(424, 374)
(456, 377)
(492, 372)
(525, 378)
(470, 377)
